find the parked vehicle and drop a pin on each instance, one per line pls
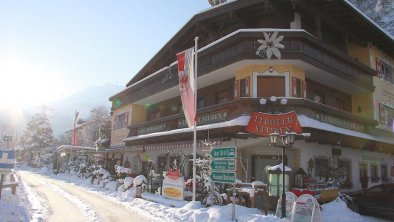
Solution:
(377, 200)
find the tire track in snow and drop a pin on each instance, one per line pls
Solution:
(85, 208)
(38, 207)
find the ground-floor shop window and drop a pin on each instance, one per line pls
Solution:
(321, 168)
(344, 169)
(364, 175)
(374, 173)
(384, 173)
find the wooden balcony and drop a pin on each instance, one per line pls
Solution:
(241, 46)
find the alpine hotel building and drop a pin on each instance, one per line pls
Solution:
(335, 71)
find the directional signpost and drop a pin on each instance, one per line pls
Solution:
(225, 153)
(223, 168)
(224, 165)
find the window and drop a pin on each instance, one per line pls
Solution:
(299, 88)
(384, 173)
(344, 172)
(363, 170)
(268, 86)
(121, 121)
(386, 115)
(374, 173)
(244, 87)
(384, 70)
(321, 167)
(222, 97)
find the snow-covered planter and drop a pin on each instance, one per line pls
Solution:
(140, 183)
(127, 184)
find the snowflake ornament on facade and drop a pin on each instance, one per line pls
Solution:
(270, 46)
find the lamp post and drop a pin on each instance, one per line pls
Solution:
(287, 141)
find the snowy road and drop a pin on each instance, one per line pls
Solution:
(67, 202)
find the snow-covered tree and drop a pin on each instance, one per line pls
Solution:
(380, 11)
(38, 140)
(95, 130)
(38, 134)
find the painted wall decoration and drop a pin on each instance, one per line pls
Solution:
(270, 45)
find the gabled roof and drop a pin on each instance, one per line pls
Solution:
(341, 11)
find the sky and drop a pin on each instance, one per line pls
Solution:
(52, 48)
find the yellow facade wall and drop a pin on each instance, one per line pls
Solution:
(362, 105)
(359, 53)
(137, 115)
(294, 71)
(384, 90)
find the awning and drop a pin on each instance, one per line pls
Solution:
(244, 120)
(316, 124)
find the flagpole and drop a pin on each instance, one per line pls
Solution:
(195, 117)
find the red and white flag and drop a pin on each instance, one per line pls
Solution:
(186, 84)
(75, 138)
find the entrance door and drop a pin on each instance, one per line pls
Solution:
(259, 164)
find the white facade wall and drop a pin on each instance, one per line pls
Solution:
(356, 157)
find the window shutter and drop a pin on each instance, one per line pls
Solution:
(294, 85)
(236, 89)
(247, 86)
(126, 119)
(304, 88)
(114, 122)
(378, 67)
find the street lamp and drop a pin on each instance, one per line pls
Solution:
(287, 141)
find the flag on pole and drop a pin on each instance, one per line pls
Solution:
(186, 84)
(75, 139)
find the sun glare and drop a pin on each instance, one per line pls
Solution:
(24, 83)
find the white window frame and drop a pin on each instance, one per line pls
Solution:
(274, 73)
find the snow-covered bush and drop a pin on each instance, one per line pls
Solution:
(122, 172)
(140, 184)
(127, 184)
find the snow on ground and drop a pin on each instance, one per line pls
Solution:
(153, 206)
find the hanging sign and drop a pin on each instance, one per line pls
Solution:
(173, 185)
(263, 124)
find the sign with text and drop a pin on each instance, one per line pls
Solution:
(306, 209)
(206, 119)
(343, 123)
(174, 186)
(223, 177)
(263, 124)
(7, 159)
(224, 165)
(227, 152)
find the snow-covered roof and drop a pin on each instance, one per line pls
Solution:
(68, 147)
(280, 168)
(239, 121)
